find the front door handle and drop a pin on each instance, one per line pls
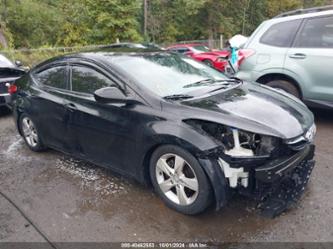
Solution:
(298, 56)
(71, 107)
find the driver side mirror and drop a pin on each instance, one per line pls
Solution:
(111, 95)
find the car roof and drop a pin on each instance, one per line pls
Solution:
(101, 52)
(300, 16)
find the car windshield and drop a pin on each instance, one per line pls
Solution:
(168, 74)
(201, 48)
(4, 62)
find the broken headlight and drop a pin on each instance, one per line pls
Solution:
(236, 142)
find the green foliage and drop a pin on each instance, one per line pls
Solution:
(38, 23)
(6, 37)
(98, 22)
(32, 23)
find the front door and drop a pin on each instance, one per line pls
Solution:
(105, 132)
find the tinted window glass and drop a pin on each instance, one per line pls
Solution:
(180, 50)
(88, 80)
(316, 33)
(281, 34)
(183, 50)
(55, 77)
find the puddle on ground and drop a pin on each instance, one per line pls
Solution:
(91, 177)
(98, 193)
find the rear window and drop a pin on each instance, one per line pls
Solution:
(316, 33)
(180, 50)
(281, 34)
(54, 77)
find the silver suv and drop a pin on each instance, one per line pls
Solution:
(293, 52)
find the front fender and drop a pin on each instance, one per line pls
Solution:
(217, 180)
(183, 135)
(197, 144)
(161, 133)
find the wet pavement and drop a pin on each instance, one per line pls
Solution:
(70, 200)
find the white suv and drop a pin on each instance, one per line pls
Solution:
(293, 52)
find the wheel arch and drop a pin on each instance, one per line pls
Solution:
(17, 115)
(211, 168)
(264, 79)
(161, 141)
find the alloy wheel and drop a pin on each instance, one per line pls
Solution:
(177, 179)
(29, 132)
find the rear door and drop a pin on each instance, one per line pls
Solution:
(270, 45)
(49, 108)
(105, 132)
(311, 58)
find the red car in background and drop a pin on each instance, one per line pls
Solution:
(201, 52)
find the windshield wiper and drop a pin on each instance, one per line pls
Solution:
(199, 83)
(178, 96)
(210, 82)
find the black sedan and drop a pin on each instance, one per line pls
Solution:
(171, 122)
(9, 72)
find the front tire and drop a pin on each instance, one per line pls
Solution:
(179, 180)
(30, 133)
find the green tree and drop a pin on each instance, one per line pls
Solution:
(99, 22)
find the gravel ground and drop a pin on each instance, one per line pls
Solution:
(70, 200)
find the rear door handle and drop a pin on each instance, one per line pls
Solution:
(298, 56)
(71, 107)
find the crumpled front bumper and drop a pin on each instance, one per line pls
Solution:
(281, 167)
(288, 191)
(276, 184)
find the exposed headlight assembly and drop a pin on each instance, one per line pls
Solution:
(236, 142)
(240, 146)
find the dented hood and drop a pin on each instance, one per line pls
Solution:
(255, 108)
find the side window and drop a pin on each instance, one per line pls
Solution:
(281, 34)
(183, 50)
(88, 80)
(55, 77)
(316, 33)
(180, 50)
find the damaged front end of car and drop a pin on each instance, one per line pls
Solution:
(271, 170)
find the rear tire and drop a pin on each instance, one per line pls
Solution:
(30, 133)
(179, 180)
(285, 86)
